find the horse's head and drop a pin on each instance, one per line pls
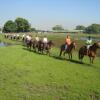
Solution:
(50, 43)
(74, 45)
(97, 45)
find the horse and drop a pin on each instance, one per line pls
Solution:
(68, 50)
(45, 47)
(28, 43)
(35, 45)
(91, 52)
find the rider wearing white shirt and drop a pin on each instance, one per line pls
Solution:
(28, 37)
(37, 38)
(45, 40)
(23, 36)
(88, 42)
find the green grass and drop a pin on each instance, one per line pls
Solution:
(25, 75)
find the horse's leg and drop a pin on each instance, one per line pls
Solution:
(48, 52)
(71, 56)
(92, 59)
(81, 58)
(60, 53)
(64, 53)
(34, 49)
(29, 46)
(42, 50)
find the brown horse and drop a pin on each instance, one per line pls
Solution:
(45, 47)
(36, 45)
(68, 50)
(91, 52)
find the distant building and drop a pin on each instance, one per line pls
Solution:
(60, 31)
(68, 31)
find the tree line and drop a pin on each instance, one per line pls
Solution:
(23, 25)
(92, 29)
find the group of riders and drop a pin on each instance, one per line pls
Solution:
(37, 43)
(37, 38)
(27, 37)
(12, 36)
(42, 44)
(44, 40)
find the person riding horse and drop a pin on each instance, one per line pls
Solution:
(88, 43)
(23, 37)
(17, 36)
(37, 38)
(35, 43)
(45, 41)
(91, 52)
(67, 42)
(29, 41)
(67, 47)
(69, 50)
(46, 48)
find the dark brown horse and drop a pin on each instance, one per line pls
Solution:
(45, 47)
(91, 52)
(68, 50)
(35, 45)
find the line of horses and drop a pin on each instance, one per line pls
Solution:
(40, 47)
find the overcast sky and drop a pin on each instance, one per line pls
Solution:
(44, 14)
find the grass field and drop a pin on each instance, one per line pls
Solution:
(25, 75)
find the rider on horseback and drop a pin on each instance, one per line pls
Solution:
(23, 37)
(67, 42)
(37, 38)
(28, 38)
(45, 41)
(88, 43)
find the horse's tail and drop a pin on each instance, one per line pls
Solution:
(79, 54)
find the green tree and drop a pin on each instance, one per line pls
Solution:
(22, 25)
(94, 28)
(32, 29)
(9, 26)
(80, 27)
(58, 28)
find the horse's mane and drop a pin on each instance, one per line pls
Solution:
(93, 47)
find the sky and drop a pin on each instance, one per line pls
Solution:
(44, 14)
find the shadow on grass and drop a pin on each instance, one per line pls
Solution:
(63, 59)
(75, 61)
(31, 50)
